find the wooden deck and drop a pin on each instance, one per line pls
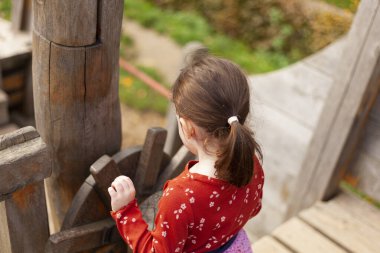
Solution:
(343, 224)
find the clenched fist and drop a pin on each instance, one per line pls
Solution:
(122, 191)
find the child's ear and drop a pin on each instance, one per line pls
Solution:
(187, 127)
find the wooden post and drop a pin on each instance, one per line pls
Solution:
(21, 15)
(24, 163)
(345, 113)
(75, 86)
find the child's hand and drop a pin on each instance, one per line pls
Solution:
(122, 191)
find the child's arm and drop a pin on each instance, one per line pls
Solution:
(170, 231)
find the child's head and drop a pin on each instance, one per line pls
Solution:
(209, 91)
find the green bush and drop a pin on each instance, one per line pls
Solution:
(282, 27)
(184, 27)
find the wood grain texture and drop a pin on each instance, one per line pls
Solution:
(5, 241)
(86, 207)
(76, 88)
(69, 23)
(4, 115)
(364, 171)
(104, 171)
(84, 237)
(355, 207)
(302, 238)
(343, 228)
(173, 141)
(268, 244)
(150, 161)
(24, 159)
(344, 111)
(27, 219)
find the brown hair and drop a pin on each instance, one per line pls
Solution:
(208, 91)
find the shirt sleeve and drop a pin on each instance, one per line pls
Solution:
(171, 224)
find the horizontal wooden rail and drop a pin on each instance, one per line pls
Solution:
(145, 78)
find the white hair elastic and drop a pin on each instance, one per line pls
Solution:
(232, 119)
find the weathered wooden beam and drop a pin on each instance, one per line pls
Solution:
(21, 15)
(75, 79)
(69, 23)
(24, 163)
(84, 237)
(345, 112)
(149, 165)
(24, 159)
(104, 171)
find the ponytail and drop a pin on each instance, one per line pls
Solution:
(235, 158)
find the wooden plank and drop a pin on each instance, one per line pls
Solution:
(58, 21)
(344, 113)
(365, 174)
(173, 141)
(127, 160)
(150, 161)
(327, 60)
(26, 212)
(268, 244)
(104, 171)
(25, 159)
(86, 207)
(4, 115)
(84, 237)
(5, 241)
(17, 14)
(343, 228)
(298, 91)
(371, 140)
(300, 237)
(175, 167)
(21, 15)
(358, 208)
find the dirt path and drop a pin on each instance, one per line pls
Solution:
(157, 51)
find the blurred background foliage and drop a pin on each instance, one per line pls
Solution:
(290, 28)
(260, 36)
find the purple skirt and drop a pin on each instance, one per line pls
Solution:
(240, 243)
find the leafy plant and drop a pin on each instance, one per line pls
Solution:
(5, 9)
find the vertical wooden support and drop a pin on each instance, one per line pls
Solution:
(345, 112)
(24, 163)
(150, 161)
(75, 82)
(21, 15)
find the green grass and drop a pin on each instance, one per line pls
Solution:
(138, 95)
(185, 27)
(350, 5)
(5, 9)
(348, 187)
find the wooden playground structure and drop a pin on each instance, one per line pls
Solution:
(53, 180)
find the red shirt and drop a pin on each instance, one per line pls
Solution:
(196, 213)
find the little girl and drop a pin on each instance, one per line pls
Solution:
(206, 206)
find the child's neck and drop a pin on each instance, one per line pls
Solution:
(206, 165)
